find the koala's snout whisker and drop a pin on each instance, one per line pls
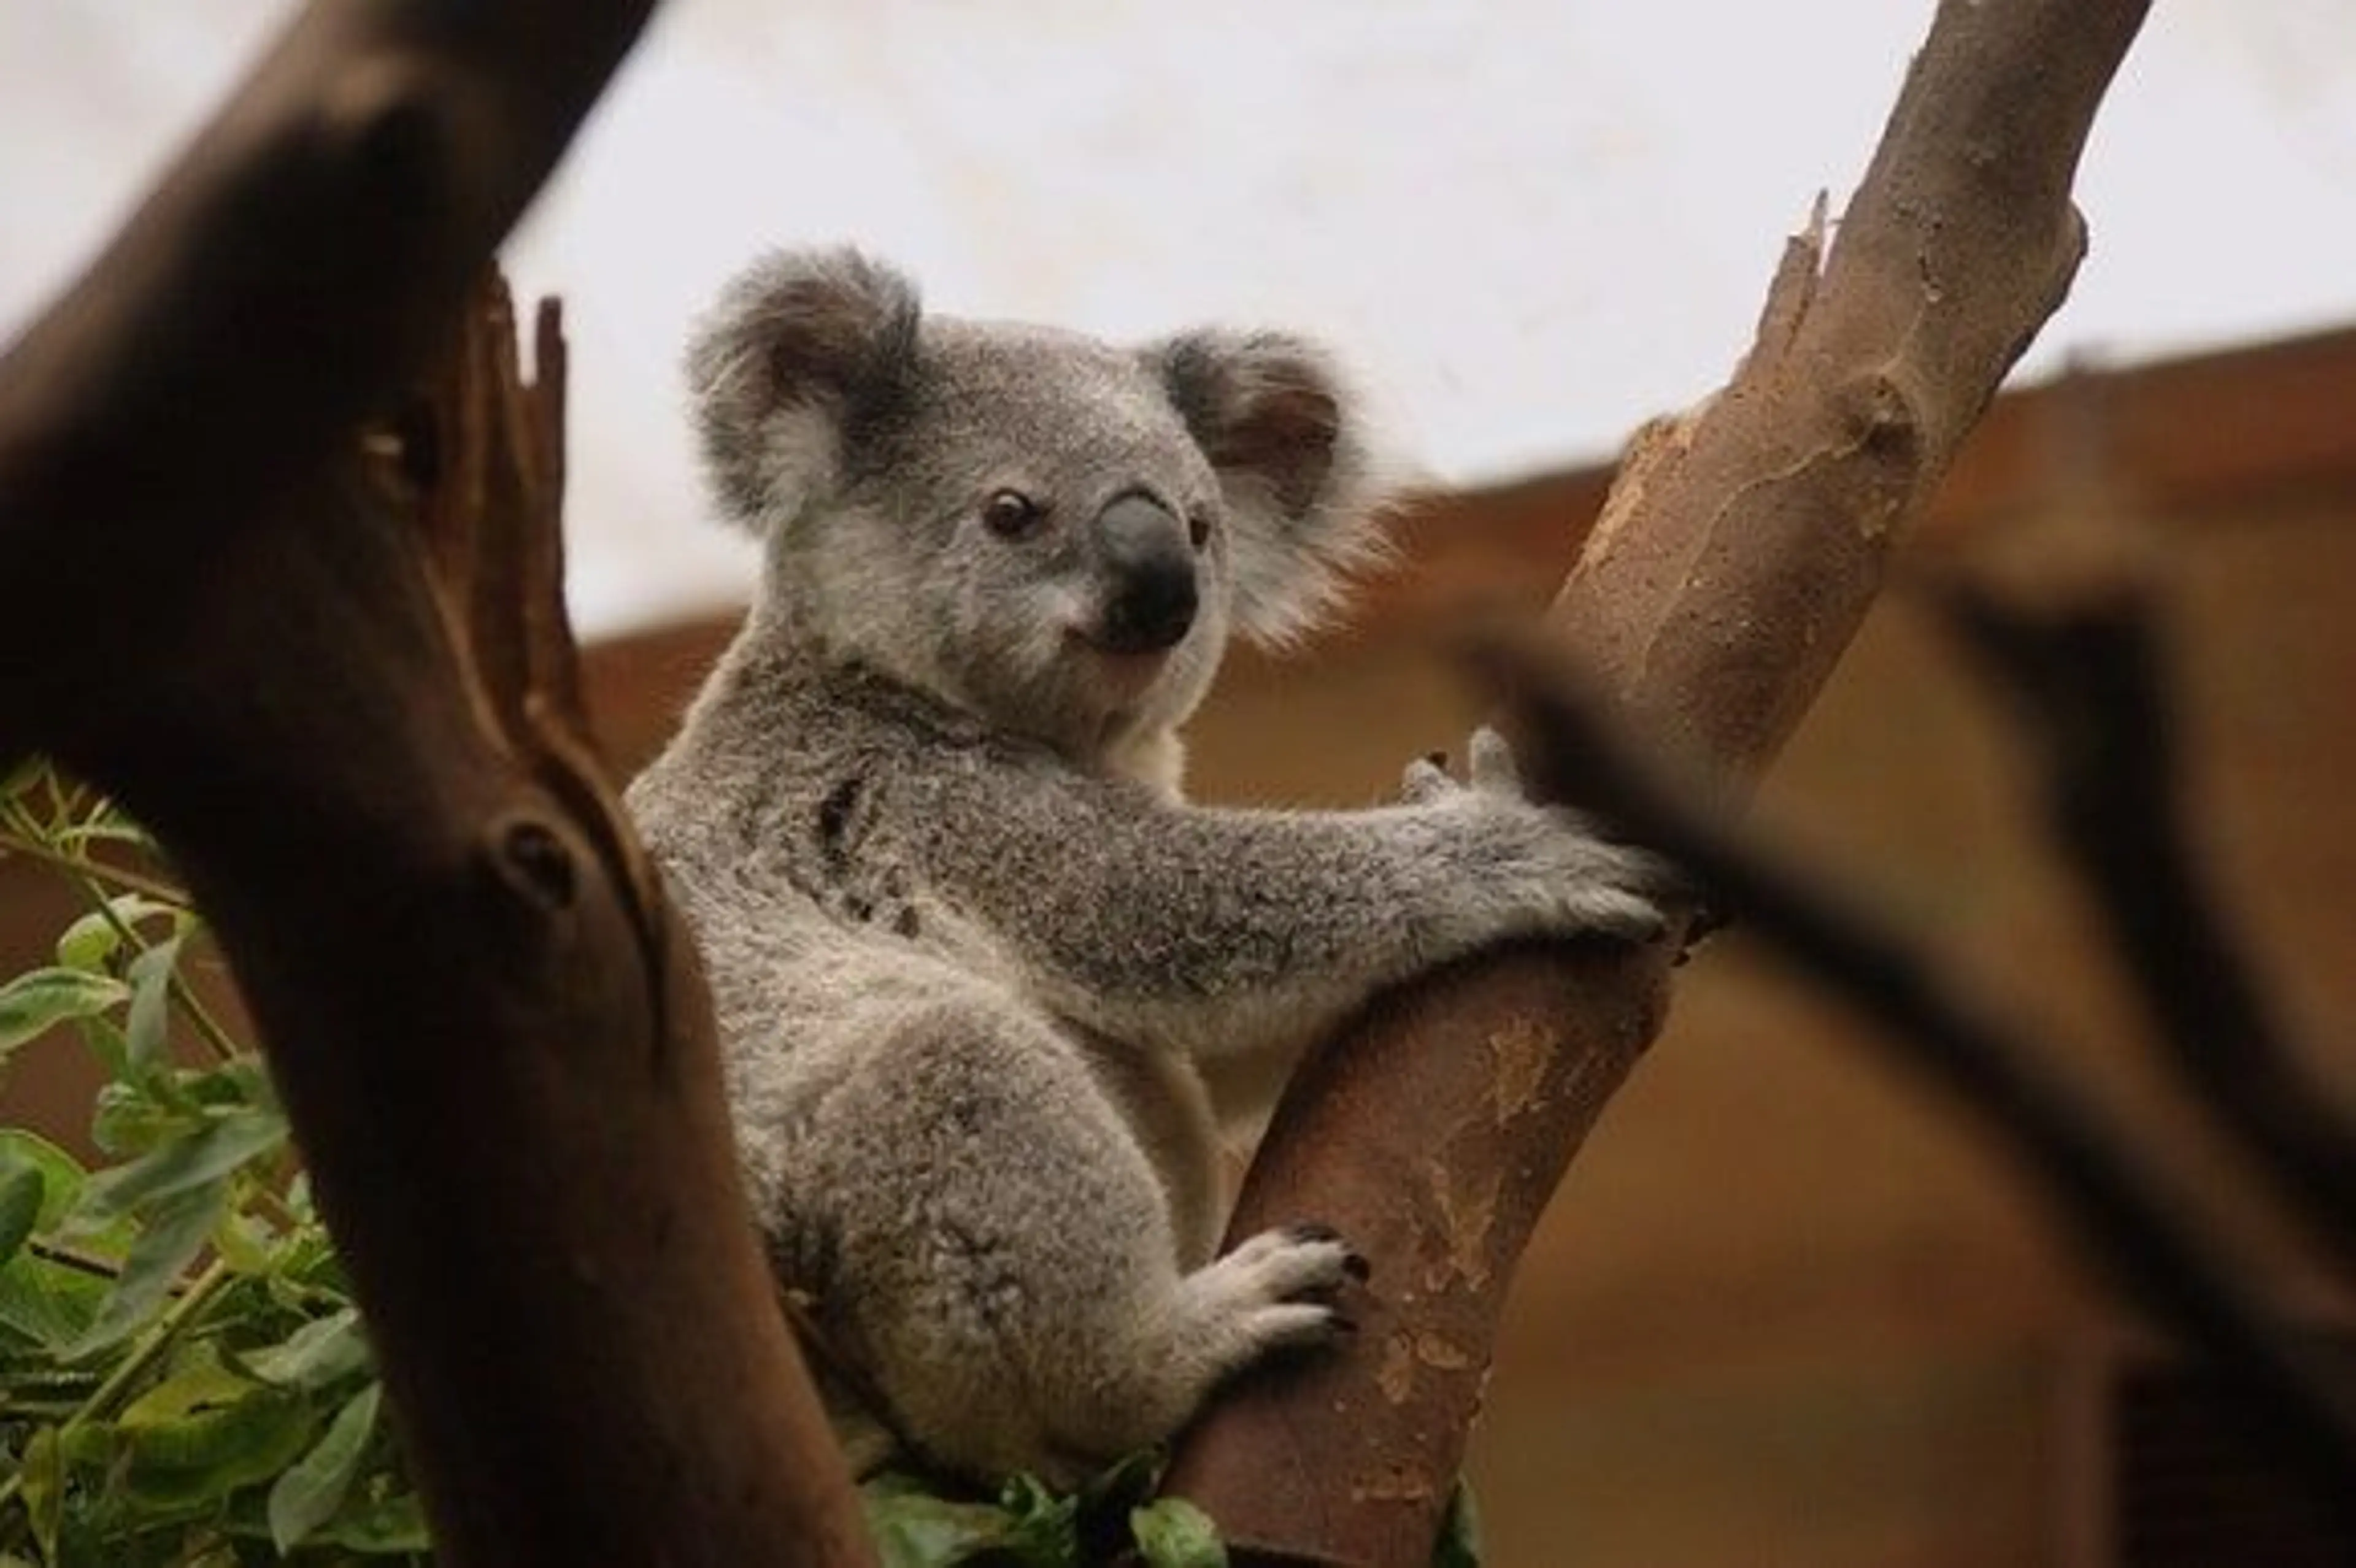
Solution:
(1148, 561)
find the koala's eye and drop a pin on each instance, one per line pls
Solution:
(1010, 514)
(1198, 529)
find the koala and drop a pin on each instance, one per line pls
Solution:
(967, 941)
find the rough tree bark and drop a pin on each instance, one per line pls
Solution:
(1739, 551)
(359, 738)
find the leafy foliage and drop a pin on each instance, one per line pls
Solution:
(917, 1524)
(183, 1375)
(922, 1522)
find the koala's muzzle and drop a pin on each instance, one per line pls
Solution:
(1149, 570)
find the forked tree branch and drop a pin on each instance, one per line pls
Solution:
(355, 729)
(1740, 549)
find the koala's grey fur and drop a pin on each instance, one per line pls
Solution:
(966, 942)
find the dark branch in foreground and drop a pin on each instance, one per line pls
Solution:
(2115, 1200)
(2080, 657)
(355, 729)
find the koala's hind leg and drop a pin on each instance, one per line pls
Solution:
(1004, 1265)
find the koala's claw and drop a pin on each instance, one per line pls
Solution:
(1624, 916)
(1279, 1287)
(1426, 780)
(1492, 766)
(1489, 769)
(1354, 1262)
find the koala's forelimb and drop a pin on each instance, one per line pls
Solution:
(1209, 931)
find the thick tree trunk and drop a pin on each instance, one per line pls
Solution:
(1739, 552)
(352, 722)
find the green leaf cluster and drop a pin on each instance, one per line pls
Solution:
(184, 1376)
(918, 1522)
(922, 1521)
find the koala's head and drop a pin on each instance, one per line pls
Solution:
(1053, 533)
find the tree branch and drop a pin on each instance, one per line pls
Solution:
(2119, 1206)
(357, 731)
(304, 256)
(1739, 552)
(2077, 650)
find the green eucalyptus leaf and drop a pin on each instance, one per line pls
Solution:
(312, 1488)
(41, 1482)
(200, 1382)
(320, 1352)
(1043, 1527)
(62, 1174)
(88, 1444)
(228, 1436)
(126, 1120)
(379, 1527)
(307, 1270)
(20, 1206)
(1174, 1533)
(104, 1040)
(146, 1025)
(913, 1528)
(1124, 1485)
(90, 941)
(46, 1304)
(218, 1146)
(229, 1085)
(246, 1244)
(106, 824)
(175, 1234)
(40, 998)
(1459, 1545)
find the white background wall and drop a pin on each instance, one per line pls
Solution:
(1531, 222)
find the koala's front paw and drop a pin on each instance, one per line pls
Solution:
(1540, 867)
(1279, 1288)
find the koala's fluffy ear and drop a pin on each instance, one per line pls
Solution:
(801, 348)
(1287, 440)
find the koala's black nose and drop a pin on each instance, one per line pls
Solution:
(1149, 570)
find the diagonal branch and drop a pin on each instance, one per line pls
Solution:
(2080, 657)
(2116, 1202)
(1736, 558)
